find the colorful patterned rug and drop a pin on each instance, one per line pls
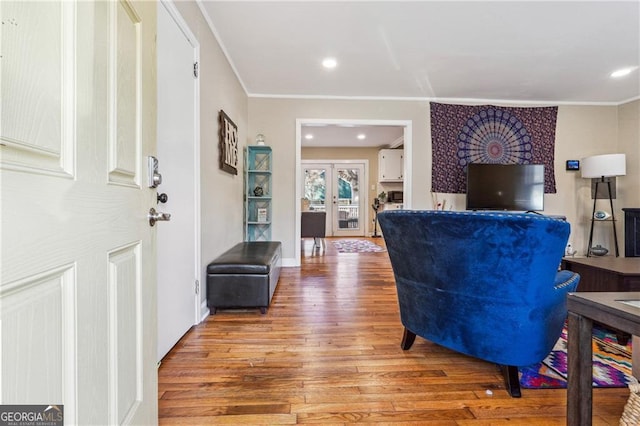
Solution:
(611, 364)
(357, 246)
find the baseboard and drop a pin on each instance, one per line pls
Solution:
(204, 311)
(289, 263)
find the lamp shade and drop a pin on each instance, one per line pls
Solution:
(604, 165)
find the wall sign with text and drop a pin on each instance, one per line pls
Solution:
(228, 144)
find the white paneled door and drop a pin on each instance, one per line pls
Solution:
(78, 284)
(178, 301)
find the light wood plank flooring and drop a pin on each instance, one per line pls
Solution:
(328, 351)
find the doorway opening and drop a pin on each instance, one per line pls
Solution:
(405, 125)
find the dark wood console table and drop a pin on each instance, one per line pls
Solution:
(584, 309)
(606, 273)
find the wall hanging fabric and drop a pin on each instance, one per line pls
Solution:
(463, 134)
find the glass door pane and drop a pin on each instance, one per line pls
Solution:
(347, 200)
(315, 188)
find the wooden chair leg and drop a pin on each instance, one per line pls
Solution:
(511, 380)
(407, 339)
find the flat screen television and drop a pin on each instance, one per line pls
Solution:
(518, 187)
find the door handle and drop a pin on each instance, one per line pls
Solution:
(155, 216)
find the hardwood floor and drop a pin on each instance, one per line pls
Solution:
(328, 351)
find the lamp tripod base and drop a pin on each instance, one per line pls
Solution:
(375, 208)
(593, 219)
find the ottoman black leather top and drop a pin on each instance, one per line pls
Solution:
(255, 257)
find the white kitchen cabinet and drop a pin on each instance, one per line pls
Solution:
(390, 165)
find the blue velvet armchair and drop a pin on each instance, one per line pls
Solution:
(485, 284)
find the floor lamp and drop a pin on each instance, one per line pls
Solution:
(375, 206)
(598, 167)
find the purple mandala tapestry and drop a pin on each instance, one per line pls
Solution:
(463, 134)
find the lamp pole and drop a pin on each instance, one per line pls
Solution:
(593, 214)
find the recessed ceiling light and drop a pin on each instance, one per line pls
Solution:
(362, 136)
(622, 72)
(308, 136)
(329, 63)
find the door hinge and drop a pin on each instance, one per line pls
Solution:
(197, 287)
(195, 69)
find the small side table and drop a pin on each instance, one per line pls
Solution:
(584, 308)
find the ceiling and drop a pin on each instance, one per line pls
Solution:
(543, 52)
(344, 135)
(520, 52)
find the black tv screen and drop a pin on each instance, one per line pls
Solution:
(517, 187)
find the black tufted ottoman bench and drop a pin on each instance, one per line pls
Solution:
(244, 276)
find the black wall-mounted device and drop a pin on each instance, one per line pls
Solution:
(573, 164)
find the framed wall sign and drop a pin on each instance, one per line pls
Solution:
(228, 144)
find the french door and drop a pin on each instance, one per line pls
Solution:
(339, 189)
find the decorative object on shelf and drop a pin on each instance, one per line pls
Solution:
(599, 250)
(259, 139)
(228, 144)
(601, 215)
(382, 197)
(258, 191)
(597, 168)
(262, 215)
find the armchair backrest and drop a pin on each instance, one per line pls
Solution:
(481, 283)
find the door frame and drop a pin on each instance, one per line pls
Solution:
(200, 309)
(408, 154)
(364, 197)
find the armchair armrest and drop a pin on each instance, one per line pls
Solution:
(566, 281)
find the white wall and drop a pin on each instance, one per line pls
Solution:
(629, 137)
(581, 131)
(629, 143)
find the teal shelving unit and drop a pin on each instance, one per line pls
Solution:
(257, 193)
